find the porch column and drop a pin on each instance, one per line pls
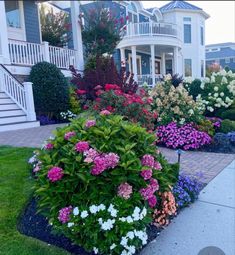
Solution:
(77, 34)
(163, 58)
(175, 60)
(123, 57)
(153, 63)
(134, 62)
(4, 51)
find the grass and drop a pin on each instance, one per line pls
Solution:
(15, 191)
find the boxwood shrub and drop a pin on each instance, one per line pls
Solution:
(100, 180)
(227, 126)
(50, 89)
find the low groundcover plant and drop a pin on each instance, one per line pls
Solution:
(99, 182)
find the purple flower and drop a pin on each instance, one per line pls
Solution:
(146, 174)
(64, 214)
(148, 160)
(125, 190)
(81, 146)
(49, 146)
(68, 135)
(90, 155)
(55, 174)
(99, 165)
(90, 123)
(152, 201)
(111, 159)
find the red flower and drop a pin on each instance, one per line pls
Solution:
(85, 107)
(149, 100)
(155, 115)
(80, 92)
(96, 107)
(111, 87)
(110, 108)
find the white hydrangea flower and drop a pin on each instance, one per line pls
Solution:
(107, 225)
(216, 95)
(191, 112)
(224, 80)
(221, 94)
(212, 79)
(129, 219)
(124, 241)
(75, 211)
(202, 86)
(216, 88)
(84, 214)
(223, 72)
(101, 207)
(130, 235)
(113, 246)
(113, 212)
(70, 224)
(93, 209)
(131, 249)
(95, 250)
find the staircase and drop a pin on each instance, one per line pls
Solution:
(16, 103)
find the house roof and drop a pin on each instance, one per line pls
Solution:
(222, 53)
(227, 44)
(179, 5)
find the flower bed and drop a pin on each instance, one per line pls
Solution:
(99, 182)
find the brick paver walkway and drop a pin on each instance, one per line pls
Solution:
(209, 164)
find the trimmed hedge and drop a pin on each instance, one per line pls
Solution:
(227, 126)
(229, 114)
(50, 89)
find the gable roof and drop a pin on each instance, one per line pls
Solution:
(222, 53)
(179, 5)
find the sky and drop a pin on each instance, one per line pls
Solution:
(220, 27)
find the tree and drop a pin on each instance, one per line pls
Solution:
(55, 26)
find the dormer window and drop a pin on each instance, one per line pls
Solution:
(132, 13)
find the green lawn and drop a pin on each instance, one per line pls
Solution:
(15, 190)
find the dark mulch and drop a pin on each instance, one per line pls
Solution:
(36, 225)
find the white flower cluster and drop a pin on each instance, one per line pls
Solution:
(68, 115)
(129, 250)
(106, 225)
(136, 215)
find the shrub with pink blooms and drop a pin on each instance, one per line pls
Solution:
(100, 181)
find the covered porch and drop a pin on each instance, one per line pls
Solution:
(149, 63)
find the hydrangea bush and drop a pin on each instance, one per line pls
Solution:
(215, 92)
(174, 103)
(99, 181)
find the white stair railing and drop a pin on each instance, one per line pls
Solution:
(21, 94)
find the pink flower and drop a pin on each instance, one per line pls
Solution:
(81, 146)
(105, 112)
(90, 123)
(146, 193)
(111, 160)
(152, 201)
(90, 155)
(154, 184)
(99, 165)
(55, 174)
(157, 165)
(146, 174)
(49, 146)
(68, 135)
(64, 214)
(125, 190)
(36, 168)
(147, 160)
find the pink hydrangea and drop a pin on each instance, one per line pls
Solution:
(111, 159)
(147, 160)
(90, 123)
(64, 214)
(147, 193)
(125, 190)
(146, 174)
(157, 165)
(154, 184)
(99, 165)
(90, 155)
(105, 112)
(81, 146)
(68, 135)
(55, 174)
(49, 146)
(152, 201)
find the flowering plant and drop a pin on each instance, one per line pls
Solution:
(174, 104)
(185, 137)
(98, 181)
(133, 106)
(215, 92)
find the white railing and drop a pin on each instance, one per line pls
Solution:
(21, 94)
(147, 79)
(61, 57)
(25, 53)
(29, 54)
(150, 29)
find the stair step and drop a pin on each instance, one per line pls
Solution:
(12, 119)
(5, 100)
(2, 95)
(19, 125)
(11, 106)
(8, 113)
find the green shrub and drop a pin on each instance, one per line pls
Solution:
(50, 89)
(194, 88)
(228, 114)
(74, 103)
(227, 126)
(97, 178)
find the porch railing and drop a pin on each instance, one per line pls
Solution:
(150, 28)
(28, 54)
(21, 94)
(147, 79)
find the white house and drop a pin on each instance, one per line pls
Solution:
(154, 42)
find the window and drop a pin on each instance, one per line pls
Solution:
(138, 63)
(215, 49)
(187, 33)
(187, 67)
(227, 60)
(202, 36)
(187, 19)
(202, 68)
(132, 13)
(13, 13)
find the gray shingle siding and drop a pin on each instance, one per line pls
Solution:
(32, 25)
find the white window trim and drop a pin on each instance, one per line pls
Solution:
(191, 66)
(18, 33)
(140, 61)
(132, 12)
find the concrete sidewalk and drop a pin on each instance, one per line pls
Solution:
(210, 221)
